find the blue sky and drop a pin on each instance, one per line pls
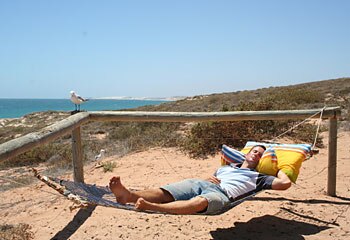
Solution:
(168, 48)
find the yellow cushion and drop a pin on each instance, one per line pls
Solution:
(285, 157)
(268, 163)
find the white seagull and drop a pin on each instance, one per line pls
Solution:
(77, 100)
(101, 155)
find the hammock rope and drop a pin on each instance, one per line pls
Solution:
(318, 127)
(307, 119)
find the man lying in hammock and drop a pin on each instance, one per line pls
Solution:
(229, 183)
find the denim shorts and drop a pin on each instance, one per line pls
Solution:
(190, 188)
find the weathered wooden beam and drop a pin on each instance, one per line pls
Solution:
(332, 157)
(22, 144)
(29, 141)
(126, 116)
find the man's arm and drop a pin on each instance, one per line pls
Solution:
(213, 179)
(281, 182)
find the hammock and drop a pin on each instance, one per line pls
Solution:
(84, 195)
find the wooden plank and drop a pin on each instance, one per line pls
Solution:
(22, 144)
(126, 116)
(332, 157)
(77, 155)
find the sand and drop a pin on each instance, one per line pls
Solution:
(302, 212)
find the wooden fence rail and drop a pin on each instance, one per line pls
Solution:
(72, 125)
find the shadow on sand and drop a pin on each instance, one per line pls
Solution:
(270, 228)
(345, 201)
(78, 220)
(265, 227)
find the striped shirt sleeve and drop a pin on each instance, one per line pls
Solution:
(264, 182)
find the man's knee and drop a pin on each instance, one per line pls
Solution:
(167, 197)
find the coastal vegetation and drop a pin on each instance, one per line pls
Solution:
(197, 139)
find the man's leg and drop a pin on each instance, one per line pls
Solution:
(194, 205)
(124, 195)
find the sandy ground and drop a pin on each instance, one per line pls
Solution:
(302, 212)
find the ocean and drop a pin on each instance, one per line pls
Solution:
(15, 108)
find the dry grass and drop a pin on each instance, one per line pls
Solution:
(19, 231)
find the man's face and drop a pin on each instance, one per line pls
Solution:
(254, 156)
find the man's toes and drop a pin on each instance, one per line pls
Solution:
(140, 203)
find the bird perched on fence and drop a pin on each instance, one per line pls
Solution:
(77, 100)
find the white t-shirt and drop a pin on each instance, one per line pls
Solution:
(239, 182)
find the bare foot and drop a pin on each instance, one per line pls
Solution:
(122, 194)
(142, 204)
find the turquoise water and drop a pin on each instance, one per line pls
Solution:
(14, 108)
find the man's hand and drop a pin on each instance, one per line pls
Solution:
(214, 180)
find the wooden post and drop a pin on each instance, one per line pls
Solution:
(332, 157)
(77, 156)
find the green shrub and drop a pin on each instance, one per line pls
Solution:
(108, 166)
(207, 138)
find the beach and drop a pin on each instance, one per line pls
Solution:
(302, 212)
